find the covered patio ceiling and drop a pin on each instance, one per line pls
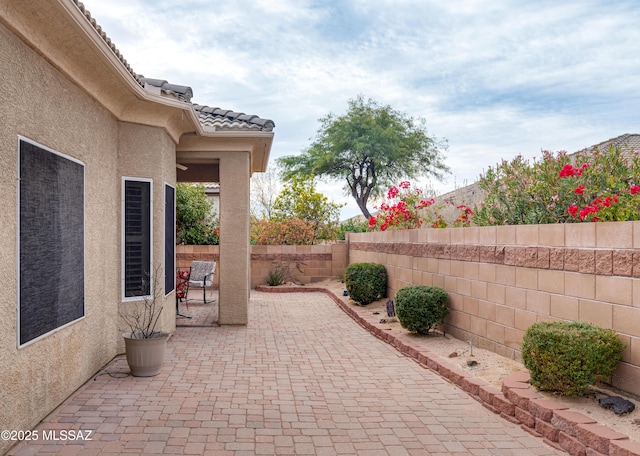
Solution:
(197, 169)
(198, 156)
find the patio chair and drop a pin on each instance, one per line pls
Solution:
(182, 289)
(202, 276)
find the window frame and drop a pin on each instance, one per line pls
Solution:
(140, 297)
(170, 273)
(19, 196)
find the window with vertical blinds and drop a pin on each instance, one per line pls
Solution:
(169, 238)
(137, 222)
(50, 241)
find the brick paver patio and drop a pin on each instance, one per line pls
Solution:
(301, 379)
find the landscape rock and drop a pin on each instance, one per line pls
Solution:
(617, 404)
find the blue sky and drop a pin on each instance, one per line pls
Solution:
(495, 78)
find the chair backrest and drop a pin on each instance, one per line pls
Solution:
(202, 271)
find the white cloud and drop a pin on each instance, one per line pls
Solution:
(495, 77)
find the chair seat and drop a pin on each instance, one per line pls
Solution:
(202, 273)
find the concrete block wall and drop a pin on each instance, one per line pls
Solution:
(501, 280)
(186, 254)
(306, 263)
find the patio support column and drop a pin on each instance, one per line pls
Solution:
(235, 250)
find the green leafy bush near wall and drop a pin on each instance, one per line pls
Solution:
(586, 187)
(568, 357)
(292, 231)
(366, 282)
(196, 222)
(277, 276)
(421, 308)
(353, 225)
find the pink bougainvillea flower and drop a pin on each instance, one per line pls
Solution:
(393, 192)
(579, 189)
(404, 184)
(634, 189)
(425, 203)
(586, 211)
(567, 171)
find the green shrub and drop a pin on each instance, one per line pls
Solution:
(196, 222)
(276, 277)
(601, 185)
(353, 225)
(420, 308)
(568, 357)
(293, 231)
(366, 282)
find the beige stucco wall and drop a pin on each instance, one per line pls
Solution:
(234, 229)
(233, 254)
(501, 280)
(148, 153)
(43, 106)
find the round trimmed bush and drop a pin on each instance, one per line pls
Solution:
(567, 356)
(366, 282)
(420, 308)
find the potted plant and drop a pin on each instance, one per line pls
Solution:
(145, 345)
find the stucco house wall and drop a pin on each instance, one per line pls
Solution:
(68, 90)
(44, 106)
(148, 153)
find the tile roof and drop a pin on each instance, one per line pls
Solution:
(182, 93)
(627, 142)
(220, 119)
(107, 40)
(226, 120)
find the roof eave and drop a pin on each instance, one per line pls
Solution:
(48, 27)
(257, 143)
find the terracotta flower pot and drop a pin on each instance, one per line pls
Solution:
(145, 356)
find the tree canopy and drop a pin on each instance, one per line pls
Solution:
(196, 222)
(264, 189)
(370, 147)
(299, 199)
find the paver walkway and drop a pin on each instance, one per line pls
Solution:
(302, 378)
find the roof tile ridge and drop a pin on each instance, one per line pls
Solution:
(102, 34)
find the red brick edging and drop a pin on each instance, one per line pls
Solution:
(516, 401)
